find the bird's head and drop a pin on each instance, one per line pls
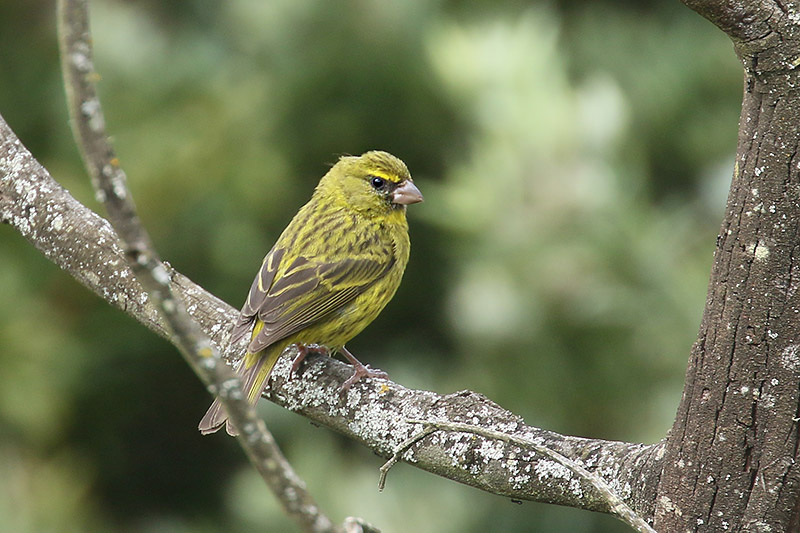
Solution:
(375, 183)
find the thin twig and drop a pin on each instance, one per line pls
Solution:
(618, 507)
(46, 215)
(358, 525)
(110, 185)
(408, 443)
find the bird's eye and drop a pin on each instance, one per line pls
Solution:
(377, 183)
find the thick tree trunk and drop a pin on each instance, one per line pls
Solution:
(731, 457)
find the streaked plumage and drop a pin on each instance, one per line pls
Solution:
(332, 270)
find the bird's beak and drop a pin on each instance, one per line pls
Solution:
(406, 194)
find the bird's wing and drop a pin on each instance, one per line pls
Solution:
(257, 295)
(307, 290)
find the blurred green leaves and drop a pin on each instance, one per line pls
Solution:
(574, 159)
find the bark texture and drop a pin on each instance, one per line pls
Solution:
(374, 412)
(731, 457)
(730, 462)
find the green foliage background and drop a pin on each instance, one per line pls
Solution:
(574, 158)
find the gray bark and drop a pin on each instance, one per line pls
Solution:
(373, 412)
(730, 462)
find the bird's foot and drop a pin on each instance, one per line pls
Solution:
(302, 351)
(360, 370)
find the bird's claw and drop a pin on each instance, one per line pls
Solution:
(360, 370)
(302, 352)
(363, 371)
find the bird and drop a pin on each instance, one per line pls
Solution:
(330, 273)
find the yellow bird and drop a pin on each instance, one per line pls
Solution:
(331, 272)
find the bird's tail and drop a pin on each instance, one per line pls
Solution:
(253, 372)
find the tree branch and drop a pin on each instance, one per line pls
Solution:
(374, 412)
(618, 507)
(765, 34)
(111, 187)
